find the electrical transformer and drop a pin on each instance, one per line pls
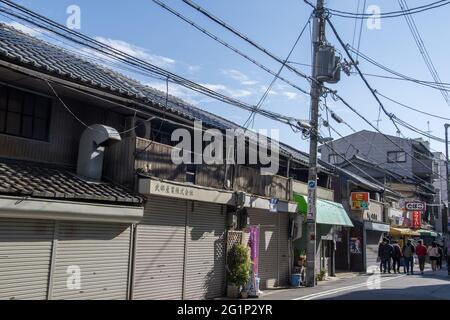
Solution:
(329, 69)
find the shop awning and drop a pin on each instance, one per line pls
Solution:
(429, 233)
(403, 232)
(328, 212)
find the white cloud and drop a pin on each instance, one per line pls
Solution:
(25, 29)
(137, 52)
(290, 95)
(239, 76)
(235, 93)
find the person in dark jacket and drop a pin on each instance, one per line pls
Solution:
(441, 256)
(408, 255)
(385, 253)
(397, 255)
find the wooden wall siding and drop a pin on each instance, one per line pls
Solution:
(64, 135)
(249, 180)
(119, 162)
(212, 176)
(155, 159)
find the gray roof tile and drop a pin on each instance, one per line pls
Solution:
(57, 182)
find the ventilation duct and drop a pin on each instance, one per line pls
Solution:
(93, 142)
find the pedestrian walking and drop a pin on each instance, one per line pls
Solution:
(433, 253)
(448, 256)
(421, 252)
(396, 256)
(441, 256)
(385, 254)
(408, 256)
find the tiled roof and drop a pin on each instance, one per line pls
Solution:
(21, 178)
(26, 50)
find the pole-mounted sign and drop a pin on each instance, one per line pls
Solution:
(415, 206)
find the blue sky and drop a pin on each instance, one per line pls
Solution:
(146, 30)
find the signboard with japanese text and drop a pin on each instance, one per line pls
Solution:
(416, 220)
(360, 200)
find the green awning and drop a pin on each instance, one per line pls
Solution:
(429, 233)
(328, 212)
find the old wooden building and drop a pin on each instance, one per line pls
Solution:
(93, 202)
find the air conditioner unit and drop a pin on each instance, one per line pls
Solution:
(141, 128)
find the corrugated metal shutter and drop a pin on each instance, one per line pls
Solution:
(205, 260)
(373, 239)
(25, 254)
(159, 250)
(102, 253)
(283, 248)
(268, 246)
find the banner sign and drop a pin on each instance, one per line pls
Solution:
(416, 220)
(415, 206)
(360, 200)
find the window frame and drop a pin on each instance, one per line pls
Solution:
(389, 160)
(23, 115)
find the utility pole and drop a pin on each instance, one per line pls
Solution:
(316, 91)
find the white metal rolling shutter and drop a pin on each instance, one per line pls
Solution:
(102, 253)
(159, 250)
(25, 254)
(373, 239)
(283, 248)
(268, 246)
(205, 259)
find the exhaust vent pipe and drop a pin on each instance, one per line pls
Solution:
(93, 142)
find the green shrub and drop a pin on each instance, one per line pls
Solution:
(239, 265)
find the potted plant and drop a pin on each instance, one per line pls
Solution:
(238, 270)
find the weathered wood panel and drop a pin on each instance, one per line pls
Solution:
(154, 159)
(212, 176)
(251, 181)
(119, 162)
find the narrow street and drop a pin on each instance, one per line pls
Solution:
(430, 286)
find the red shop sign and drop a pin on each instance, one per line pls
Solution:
(416, 219)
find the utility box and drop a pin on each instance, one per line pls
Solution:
(328, 69)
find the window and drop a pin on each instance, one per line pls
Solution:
(396, 156)
(335, 158)
(191, 170)
(24, 114)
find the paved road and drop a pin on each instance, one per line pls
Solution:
(430, 286)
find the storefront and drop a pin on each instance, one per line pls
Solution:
(374, 233)
(331, 219)
(274, 259)
(180, 244)
(64, 250)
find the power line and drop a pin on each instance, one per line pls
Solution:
(411, 108)
(245, 38)
(269, 88)
(135, 62)
(372, 145)
(392, 14)
(431, 84)
(227, 45)
(372, 91)
(422, 49)
(340, 98)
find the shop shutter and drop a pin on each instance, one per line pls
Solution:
(205, 259)
(268, 246)
(25, 254)
(159, 250)
(373, 239)
(283, 248)
(101, 251)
